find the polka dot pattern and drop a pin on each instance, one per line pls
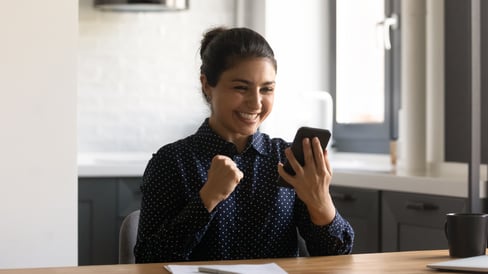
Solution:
(258, 220)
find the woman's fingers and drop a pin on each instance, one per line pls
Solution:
(327, 163)
(319, 160)
(295, 165)
(307, 153)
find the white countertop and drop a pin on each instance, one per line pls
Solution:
(415, 184)
(112, 164)
(373, 173)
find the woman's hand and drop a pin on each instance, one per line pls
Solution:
(312, 181)
(223, 177)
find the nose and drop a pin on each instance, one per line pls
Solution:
(254, 99)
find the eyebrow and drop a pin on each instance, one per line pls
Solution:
(249, 82)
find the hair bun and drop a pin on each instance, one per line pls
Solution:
(209, 36)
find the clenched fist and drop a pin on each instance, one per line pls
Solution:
(223, 177)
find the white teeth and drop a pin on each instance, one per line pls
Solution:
(248, 116)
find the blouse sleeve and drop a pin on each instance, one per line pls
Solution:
(171, 224)
(335, 238)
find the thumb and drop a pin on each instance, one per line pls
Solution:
(240, 175)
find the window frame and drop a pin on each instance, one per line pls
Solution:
(370, 138)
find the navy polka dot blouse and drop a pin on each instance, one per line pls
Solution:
(258, 220)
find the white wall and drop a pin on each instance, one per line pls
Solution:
(38, 197)
(139, 75)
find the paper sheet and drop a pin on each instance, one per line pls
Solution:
(271, 268)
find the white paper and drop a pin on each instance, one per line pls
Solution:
(271, 268)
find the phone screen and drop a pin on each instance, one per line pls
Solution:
(297, 147)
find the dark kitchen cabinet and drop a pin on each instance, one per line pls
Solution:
(416, 221)
(361, 207)
(102, 205)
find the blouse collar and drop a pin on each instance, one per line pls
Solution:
(205, 135)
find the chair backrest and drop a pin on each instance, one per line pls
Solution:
(128, 237)
(302, 246)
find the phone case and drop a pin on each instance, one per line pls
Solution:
(297, 147)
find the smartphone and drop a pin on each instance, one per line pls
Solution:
(297, 147)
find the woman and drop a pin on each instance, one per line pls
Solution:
(213, 195)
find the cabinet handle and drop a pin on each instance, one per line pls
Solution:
(422, 206)
(343, 196)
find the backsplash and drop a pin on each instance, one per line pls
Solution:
(138, 75)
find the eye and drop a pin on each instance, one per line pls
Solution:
(267, 89)
(240, 88)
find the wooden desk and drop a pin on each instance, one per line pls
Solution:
(409, 262)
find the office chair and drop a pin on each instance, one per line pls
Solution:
(128, 237)
(302, 246)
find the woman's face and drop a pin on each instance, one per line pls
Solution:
(242, 98)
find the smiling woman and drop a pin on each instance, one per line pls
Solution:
(241, 100)
(214, 195)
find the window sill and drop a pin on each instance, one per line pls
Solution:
(375, 171)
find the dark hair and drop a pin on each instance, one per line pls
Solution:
(222, 48)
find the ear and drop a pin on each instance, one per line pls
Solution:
(205, 87)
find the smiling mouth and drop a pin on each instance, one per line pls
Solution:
(249, 116)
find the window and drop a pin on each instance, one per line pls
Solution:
(366, 80)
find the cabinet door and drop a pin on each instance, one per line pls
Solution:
(97, 207)
(360, 207)
(416, 221)
(103, 203)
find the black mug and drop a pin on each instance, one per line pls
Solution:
(466, 234)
